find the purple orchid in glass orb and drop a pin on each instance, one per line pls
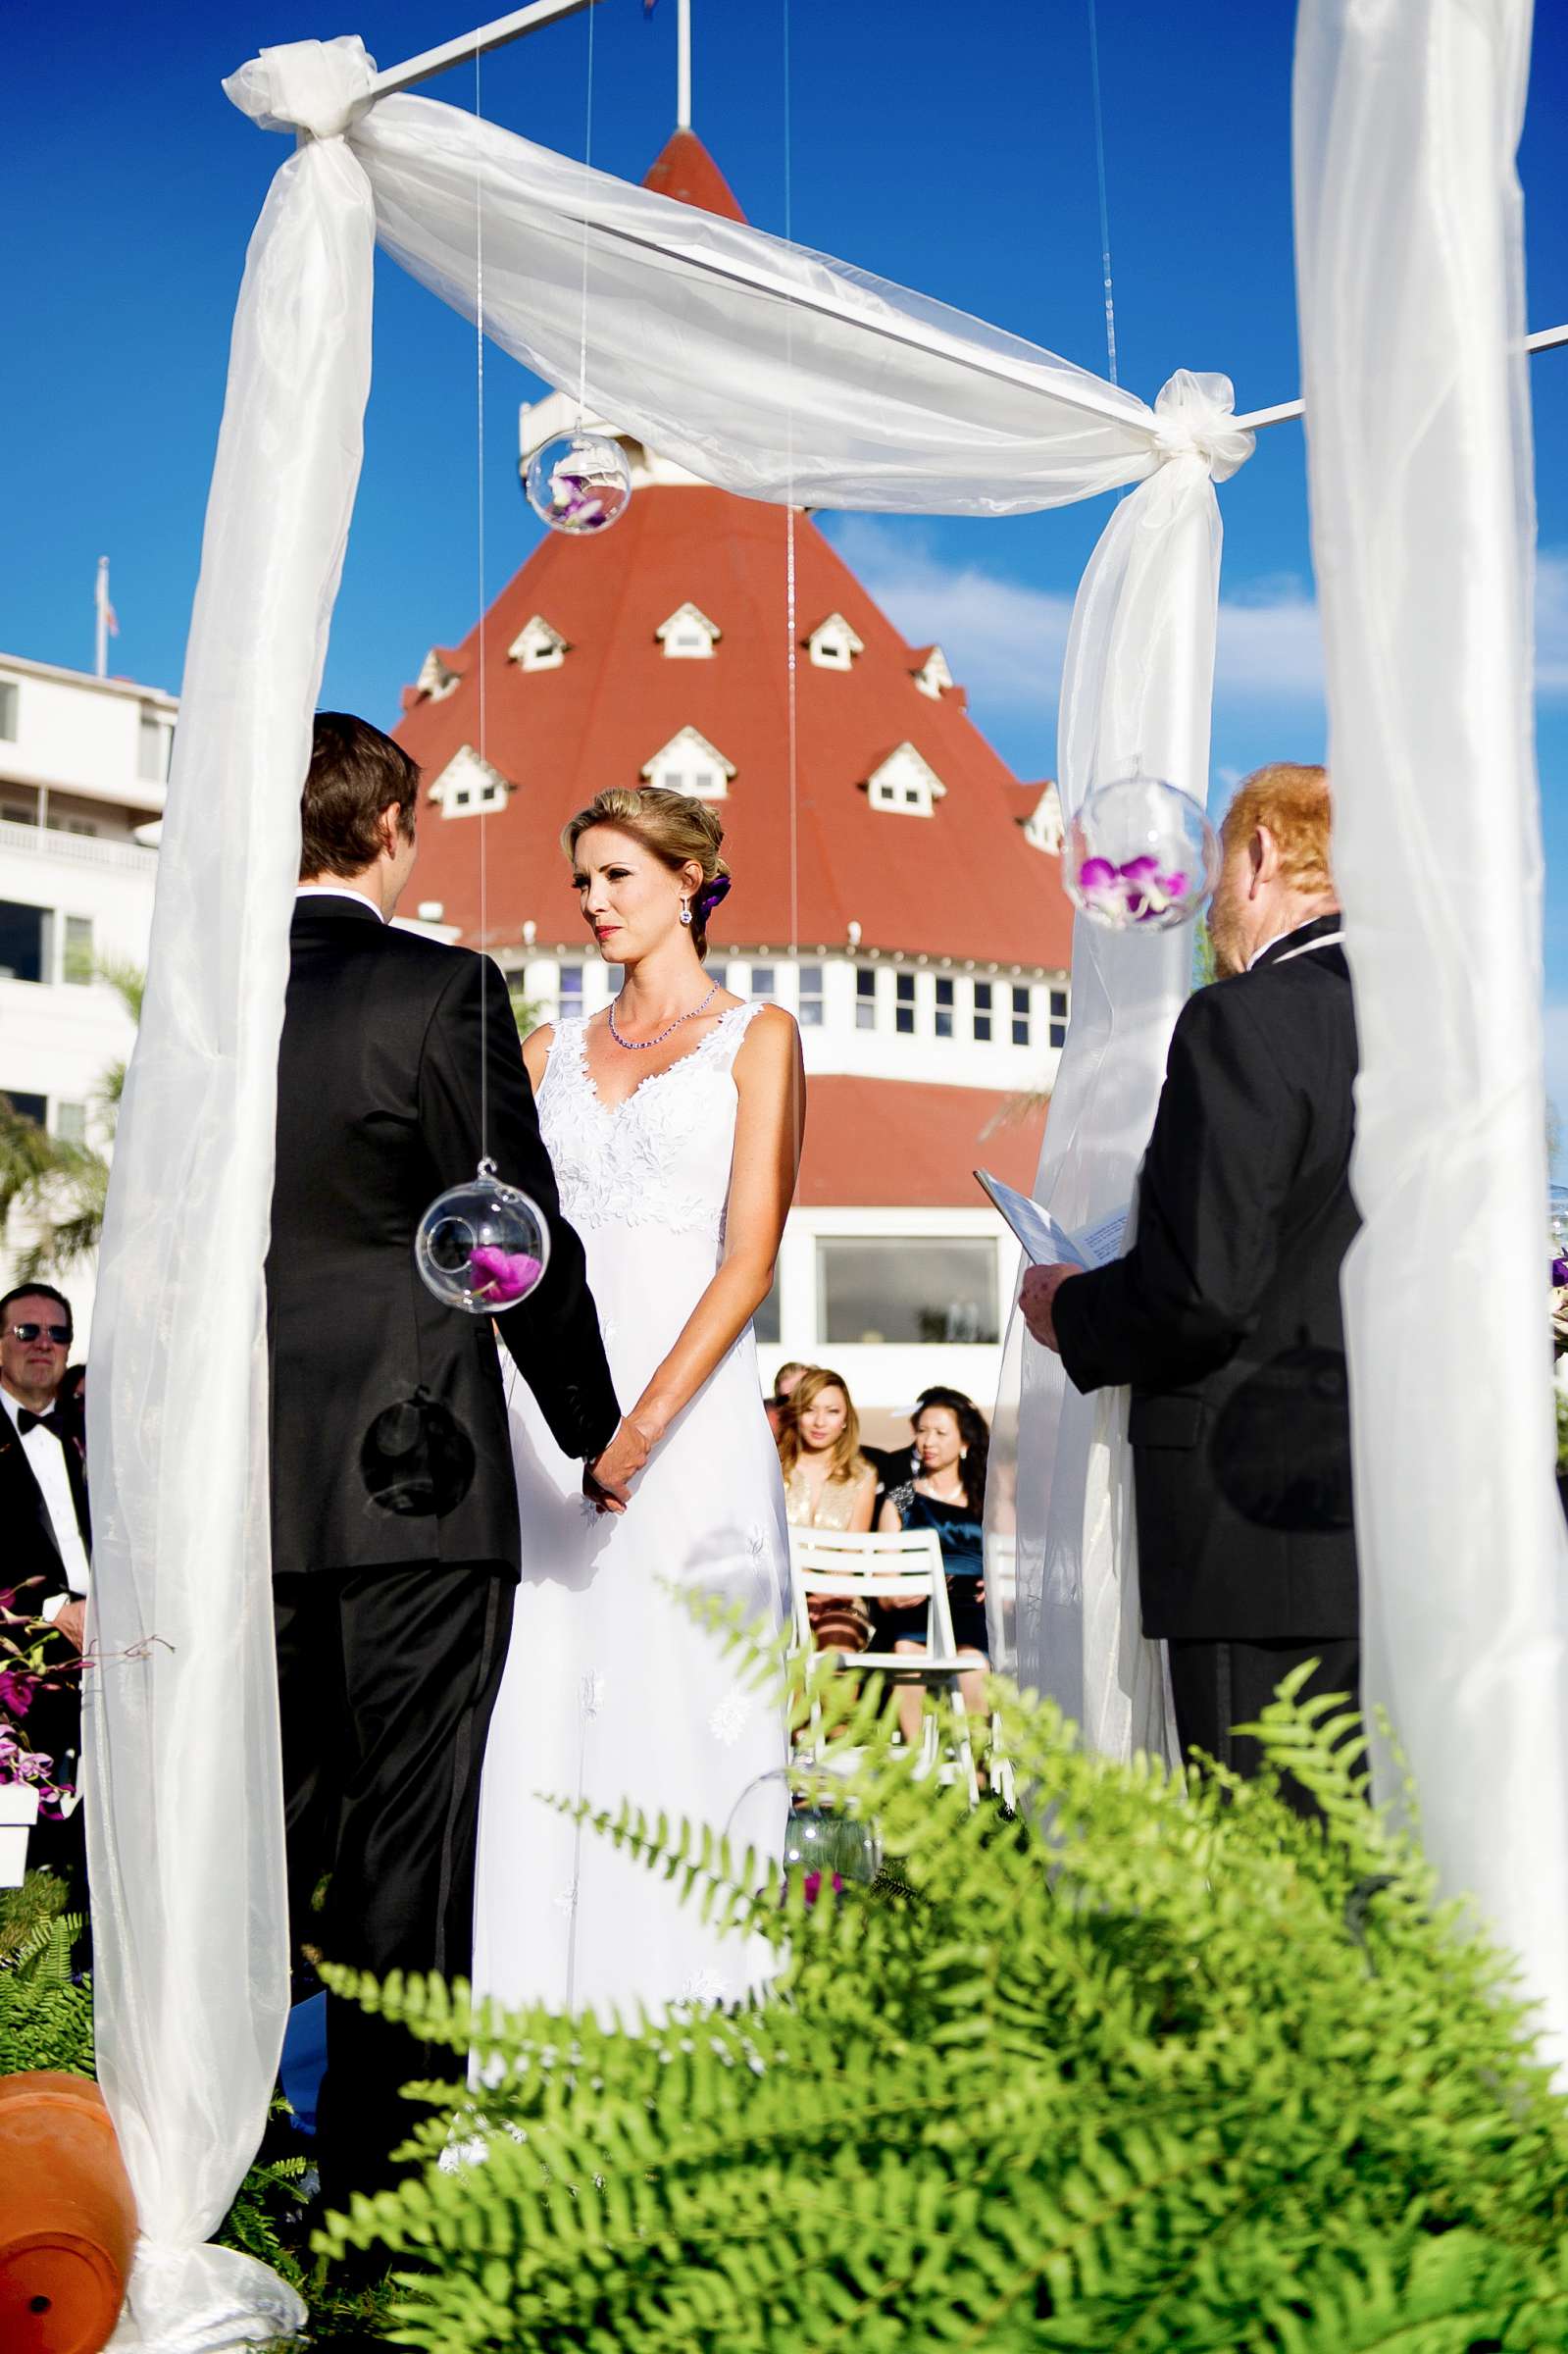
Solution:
(578, 484)
(1559, 1274)
(1140, 854)
(503, 1277)
(811, 1885)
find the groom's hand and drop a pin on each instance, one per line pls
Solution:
(613, 1471)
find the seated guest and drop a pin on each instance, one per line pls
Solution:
(43, 1514)
(947, 1494)
(827, 1484)
(1224, 1317)
(784, 1381)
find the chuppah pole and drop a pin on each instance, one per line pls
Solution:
(494, 36)
(1546, 338)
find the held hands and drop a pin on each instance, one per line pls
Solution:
(607, 1480)
(72, 1621)
(1037, 1300)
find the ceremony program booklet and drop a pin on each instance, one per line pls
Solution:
(1046, 1243)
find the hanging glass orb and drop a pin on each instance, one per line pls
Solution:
(482, 1247)
(1139, 856)
(580, 483)
(837, 1847)
(1557, 1223)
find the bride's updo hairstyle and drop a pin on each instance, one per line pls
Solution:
(674, 826)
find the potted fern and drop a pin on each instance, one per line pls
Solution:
(1136, 2069)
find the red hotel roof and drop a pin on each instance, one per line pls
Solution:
(892, 1144)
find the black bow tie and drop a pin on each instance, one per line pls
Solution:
(28, 1421)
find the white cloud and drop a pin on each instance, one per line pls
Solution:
(1005, 640)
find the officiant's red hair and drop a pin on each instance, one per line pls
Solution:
(355, 775)
(1291, 798)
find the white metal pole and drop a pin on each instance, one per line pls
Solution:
(1545, 339)
(101, 603)
(493, 35)
(683, 102)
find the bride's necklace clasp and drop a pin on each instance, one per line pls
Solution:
(641, 1045)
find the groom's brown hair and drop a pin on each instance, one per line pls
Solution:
(355, 775)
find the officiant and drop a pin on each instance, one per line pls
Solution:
(1224, 1317)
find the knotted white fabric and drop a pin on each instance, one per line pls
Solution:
(1410, 266)
(1061, 1560)
(184, 1807)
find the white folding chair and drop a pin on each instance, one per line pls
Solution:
(878, 1567)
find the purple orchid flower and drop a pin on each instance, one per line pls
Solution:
(1559, 1274)
(811, 1885)
(504, 1276)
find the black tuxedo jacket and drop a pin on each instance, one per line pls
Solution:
(1225, 1317)
(389, 1418)
(31, 1558)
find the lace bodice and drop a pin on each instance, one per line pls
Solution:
(660, 1158)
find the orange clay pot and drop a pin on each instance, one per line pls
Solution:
(67, 2220)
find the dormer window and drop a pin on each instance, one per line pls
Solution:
(537, 645)
(690, 763)
(468, 785)
(436, 677)
(1042, 828)
(832, 644)
(931, 675)
(906, 782)
(689, 636)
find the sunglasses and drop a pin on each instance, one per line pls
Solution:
(60, 1333)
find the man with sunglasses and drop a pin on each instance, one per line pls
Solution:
(45, 1537)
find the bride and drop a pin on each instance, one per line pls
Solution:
(674, 1119)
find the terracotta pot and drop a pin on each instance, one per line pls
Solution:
(67, 2220)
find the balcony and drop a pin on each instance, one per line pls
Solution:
(78, 850)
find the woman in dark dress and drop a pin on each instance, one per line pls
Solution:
(947, 1494)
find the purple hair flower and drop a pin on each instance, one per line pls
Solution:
(708, 897)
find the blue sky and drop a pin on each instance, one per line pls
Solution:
(952, 150)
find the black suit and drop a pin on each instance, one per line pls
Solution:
(395, 1507)
(34, 1573)
(1225, 1320)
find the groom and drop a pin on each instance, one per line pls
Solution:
(394, 1506)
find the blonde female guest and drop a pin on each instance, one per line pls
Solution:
(827, 1484)
(674, 1119)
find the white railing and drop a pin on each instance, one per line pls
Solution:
(78, 850)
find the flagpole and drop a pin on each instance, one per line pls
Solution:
(683, 103)
(101, 600)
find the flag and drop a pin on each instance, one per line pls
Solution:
(105, 611)
(648, 7)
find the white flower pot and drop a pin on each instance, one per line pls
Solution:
(18, 1812)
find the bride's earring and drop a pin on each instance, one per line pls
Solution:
(686, 911)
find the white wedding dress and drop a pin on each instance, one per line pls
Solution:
(612, 1691)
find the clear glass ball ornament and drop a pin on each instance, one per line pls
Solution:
(482, 1247)
(580, 483)
(1139, 856)
(1558, 1226)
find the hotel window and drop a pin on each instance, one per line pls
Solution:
(1021, 1016)
(765, 1323)
(1058, 1017)
(8, 710)
(904, 1003)
(906, 1289)
(152, 749)
(983, 1010)
(764, 982)
(944, 1008)
(71, 1123)
(569, 993)
(25, 943)
(27, 1108)
(865, 999)
(78, 962)
(811, 996)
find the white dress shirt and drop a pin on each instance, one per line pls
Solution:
(338, 891)
(46, 1460)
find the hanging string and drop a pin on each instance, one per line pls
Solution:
(484, 733)
(790, 675)
(1105, 216)
(587, 165)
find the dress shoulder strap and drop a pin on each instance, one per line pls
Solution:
(729, 1032)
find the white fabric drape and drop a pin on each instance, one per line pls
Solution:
(769, 371)
(184, 1810)
(1136, 686)
(1409, 258)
